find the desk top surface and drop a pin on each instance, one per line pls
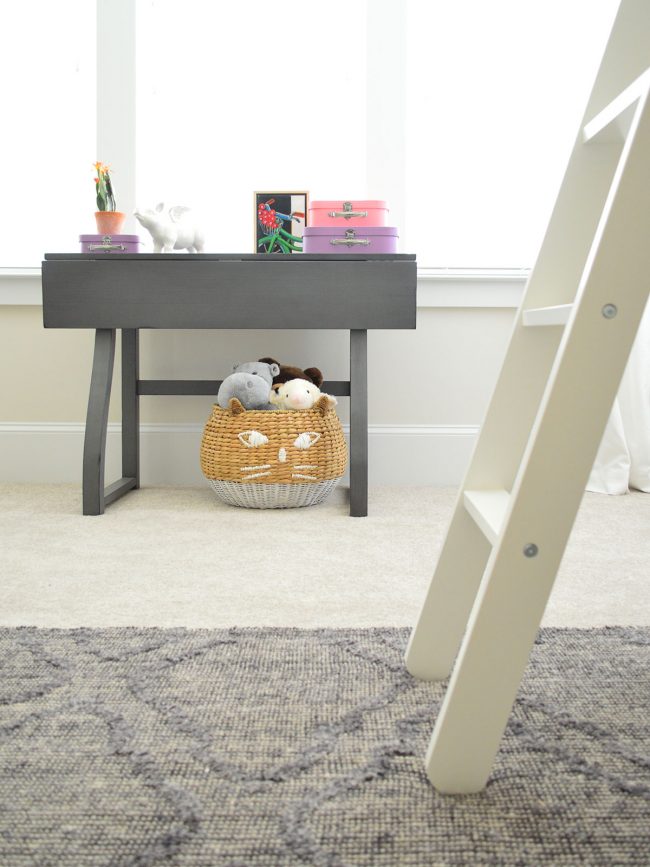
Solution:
(231, 257)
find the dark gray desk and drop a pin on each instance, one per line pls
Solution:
(132, 291)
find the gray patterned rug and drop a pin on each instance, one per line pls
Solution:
(247, 747)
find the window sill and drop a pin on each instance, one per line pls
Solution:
(437, 287)
(20, 287)
(471, 287)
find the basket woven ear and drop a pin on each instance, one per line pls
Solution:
(324, 404)
(236, 406)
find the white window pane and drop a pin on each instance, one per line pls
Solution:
(495, 95)
(47, 66)
(238, 97)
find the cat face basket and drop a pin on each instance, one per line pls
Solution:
(265, 459)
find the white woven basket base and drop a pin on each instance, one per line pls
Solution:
(272, 496)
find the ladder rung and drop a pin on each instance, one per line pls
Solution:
(557, 315)
(488, 509)
(604, 124)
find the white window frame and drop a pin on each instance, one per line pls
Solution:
(385, 151)
(116, 96)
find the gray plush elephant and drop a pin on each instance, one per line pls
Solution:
(250, 382)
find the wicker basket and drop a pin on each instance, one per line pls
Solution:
(273, 459)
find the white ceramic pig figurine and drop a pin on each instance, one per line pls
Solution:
(171, 230)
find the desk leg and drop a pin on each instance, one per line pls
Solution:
(358, 423)
(130, 405)
(96, 422)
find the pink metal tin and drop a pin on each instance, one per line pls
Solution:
(335, 239)
(371, 212)
(109, 243)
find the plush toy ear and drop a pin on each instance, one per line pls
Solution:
(235, 406)
(315, 375)
(235, 366)
(275, 368)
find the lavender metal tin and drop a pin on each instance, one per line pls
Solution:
(109, 243)
(335, 239)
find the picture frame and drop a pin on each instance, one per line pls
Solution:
(280, 219)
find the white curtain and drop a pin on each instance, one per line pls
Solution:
(623, 460)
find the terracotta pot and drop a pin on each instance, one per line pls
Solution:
(109, 222)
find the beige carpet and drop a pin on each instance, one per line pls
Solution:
(177, 557)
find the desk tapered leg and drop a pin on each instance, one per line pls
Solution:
(130, 406)
(358, 423)
(96, 422)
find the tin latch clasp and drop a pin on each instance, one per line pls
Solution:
(106, 245)
(347, 212)
(350, 240)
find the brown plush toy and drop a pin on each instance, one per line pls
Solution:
(287, 372)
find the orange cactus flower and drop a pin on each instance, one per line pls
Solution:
(104, 194)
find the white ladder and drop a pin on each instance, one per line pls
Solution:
(568, 350)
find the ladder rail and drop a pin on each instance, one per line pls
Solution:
(499, 448)
(517, 396)
(523, 564)
(550, 405)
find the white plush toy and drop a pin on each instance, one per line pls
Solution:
(297, 394)
(174, 229)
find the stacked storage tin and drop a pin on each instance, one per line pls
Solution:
(349, 227)
(109, 243)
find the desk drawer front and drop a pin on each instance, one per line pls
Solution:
(136, 292)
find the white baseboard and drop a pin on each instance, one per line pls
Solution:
(51, 452)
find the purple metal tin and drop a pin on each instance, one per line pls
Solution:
(109, 243)
(335, 239)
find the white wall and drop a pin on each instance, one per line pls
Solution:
(428, 388)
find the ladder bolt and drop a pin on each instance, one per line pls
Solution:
(531, 550)
(609, 311)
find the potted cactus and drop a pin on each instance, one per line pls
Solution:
(109, 220)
